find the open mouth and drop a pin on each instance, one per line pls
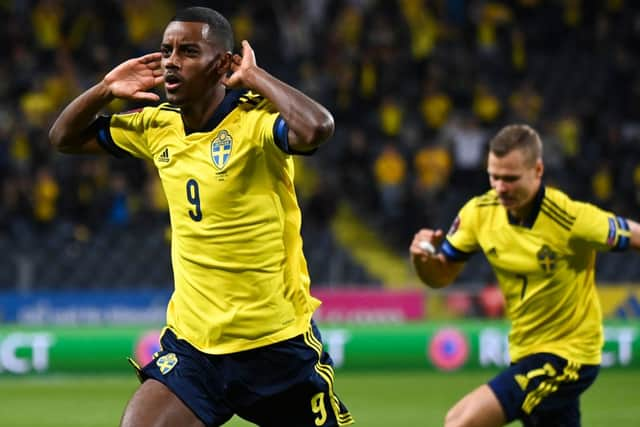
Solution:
(172, 82)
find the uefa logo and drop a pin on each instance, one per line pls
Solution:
(448, 349)
(146, 346)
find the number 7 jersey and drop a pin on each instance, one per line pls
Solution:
(545, 268)
(240, 276)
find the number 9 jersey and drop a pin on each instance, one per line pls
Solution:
(241, 280)
(545, 268)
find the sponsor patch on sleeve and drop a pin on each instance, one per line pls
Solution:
(454, 226)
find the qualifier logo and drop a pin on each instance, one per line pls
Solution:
(147, 346)
(221, 149)
(448, 349)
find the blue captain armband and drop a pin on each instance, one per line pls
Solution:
(103, 135)
(454, 254)
(281, 137)
(619, 227)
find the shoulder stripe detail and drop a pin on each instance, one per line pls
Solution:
(558, 220)
(554, 206)
(173, 110)
(488, 198)
(251, 98)
(485, 204)
(167, 106)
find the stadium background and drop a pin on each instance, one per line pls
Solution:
(417, 88)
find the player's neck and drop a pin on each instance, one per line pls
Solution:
(521, 215)
(518, 217)
(195, 116)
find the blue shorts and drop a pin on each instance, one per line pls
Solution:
(289, 383)
(543, 390)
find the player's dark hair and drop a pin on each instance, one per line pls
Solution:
(517, 137)
(219, 27)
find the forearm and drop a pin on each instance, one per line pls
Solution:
(311, 122)
(634, 229)
(435, 271)
(69, 131)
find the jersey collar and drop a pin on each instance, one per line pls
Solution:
(537, 202)
(229, 102)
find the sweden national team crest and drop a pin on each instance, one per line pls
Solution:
(221, 149)
(167, 362)
(547, 259)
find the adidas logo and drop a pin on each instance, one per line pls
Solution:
(164, 156)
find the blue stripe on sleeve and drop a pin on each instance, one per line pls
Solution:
(611, 237)
(281, 137)
(454, 254)
(103, 136)
(623, 241)
(622, 223)
(281, 134)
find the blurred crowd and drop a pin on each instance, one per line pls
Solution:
(417, 88)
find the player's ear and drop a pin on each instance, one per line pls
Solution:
(225, 62)
(539, 168)
(220, 66)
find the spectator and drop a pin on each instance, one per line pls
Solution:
(468, 145)
(391, 172)
(364, 60)
(435, 106)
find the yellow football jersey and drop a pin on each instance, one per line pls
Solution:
(241, 279)
(545, 268)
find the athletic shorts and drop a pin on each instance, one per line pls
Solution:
(543, 390)
(289, 383)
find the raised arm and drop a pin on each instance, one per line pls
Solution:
(72, 132)
(433, 269)
(310, 124)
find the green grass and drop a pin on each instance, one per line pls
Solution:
(392, 399)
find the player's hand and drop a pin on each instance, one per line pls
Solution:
(134, 78)
(424, 243)
(241, 68)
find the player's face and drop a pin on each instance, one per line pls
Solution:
(192, 63)
(516, 182)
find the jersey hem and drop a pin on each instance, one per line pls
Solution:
(282, 335)
(588, 360)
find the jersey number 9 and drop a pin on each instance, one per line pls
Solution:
(193, 196)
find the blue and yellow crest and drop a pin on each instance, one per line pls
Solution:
(221, 149)
(167, 362)
(547, 259)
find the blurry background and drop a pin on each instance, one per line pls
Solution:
(417, 88)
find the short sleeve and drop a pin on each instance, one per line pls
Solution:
(125, 134)
(461, 241)
(601, 229)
